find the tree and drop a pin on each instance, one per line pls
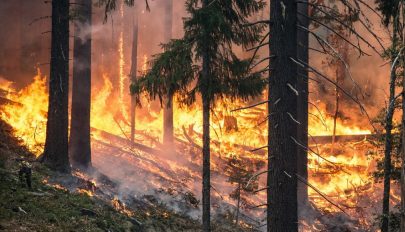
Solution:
(391, 13)
(56, 143)
(205, 55)
(302, 104)
(168, 127)
(283, 124)
(79, 143)
(134, 69)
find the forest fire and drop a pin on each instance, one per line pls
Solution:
(235, 115)
(344, 176)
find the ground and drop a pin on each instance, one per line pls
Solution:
(51, 205)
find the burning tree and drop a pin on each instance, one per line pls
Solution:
(56, 144)
(205, 56)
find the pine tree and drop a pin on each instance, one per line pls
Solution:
(391, 14)
(205, 55)
(79, 143)
(283, 124)
(56, 144)
(241, 172)
(134, 68)
(168, 127)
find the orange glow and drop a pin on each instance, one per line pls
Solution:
(232, 133)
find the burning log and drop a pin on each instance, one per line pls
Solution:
(341, 138)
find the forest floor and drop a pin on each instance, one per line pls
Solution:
(52, 206)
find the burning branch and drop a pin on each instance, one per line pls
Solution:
(320, 193)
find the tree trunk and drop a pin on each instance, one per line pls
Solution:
(168, 127)
(302, 107)
(56, 143)
(206, 101)
(79, 143)
(388, 143)
(134, 68)
(206, 158)
(340, 78)
(282, 126)
(403, 127)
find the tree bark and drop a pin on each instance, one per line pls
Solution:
(403, 126)
(79, 143)
(206, 159)
(302, 107)
(56, 143)
(340, 78)
(282, 127)
(388, 142)
(206, 101)
(134, 68)
(168, 128)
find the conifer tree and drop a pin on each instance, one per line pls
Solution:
(205, 56)
(282, 127)
(79, 142)
(391, 15)
(56, 143)
(241, 172)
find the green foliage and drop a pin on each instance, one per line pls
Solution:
(211, 31)
(171, 72)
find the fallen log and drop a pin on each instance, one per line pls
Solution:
(326, 139)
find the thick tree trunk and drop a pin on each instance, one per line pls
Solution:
(134, 68)
(79, 143)
(302, 107)
(282, 127)
(168, 127)
(388, 144)
(206, 101)
(56, 144)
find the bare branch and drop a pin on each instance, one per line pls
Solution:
(339, 35)
(320, 193)
(251, 106)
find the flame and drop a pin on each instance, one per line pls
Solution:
(345, 179)
(27, 112)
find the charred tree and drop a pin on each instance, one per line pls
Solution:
(134, 69)
(56, 143)
(283, 124)
(302, 104)
(79, 143)
(168, 127)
